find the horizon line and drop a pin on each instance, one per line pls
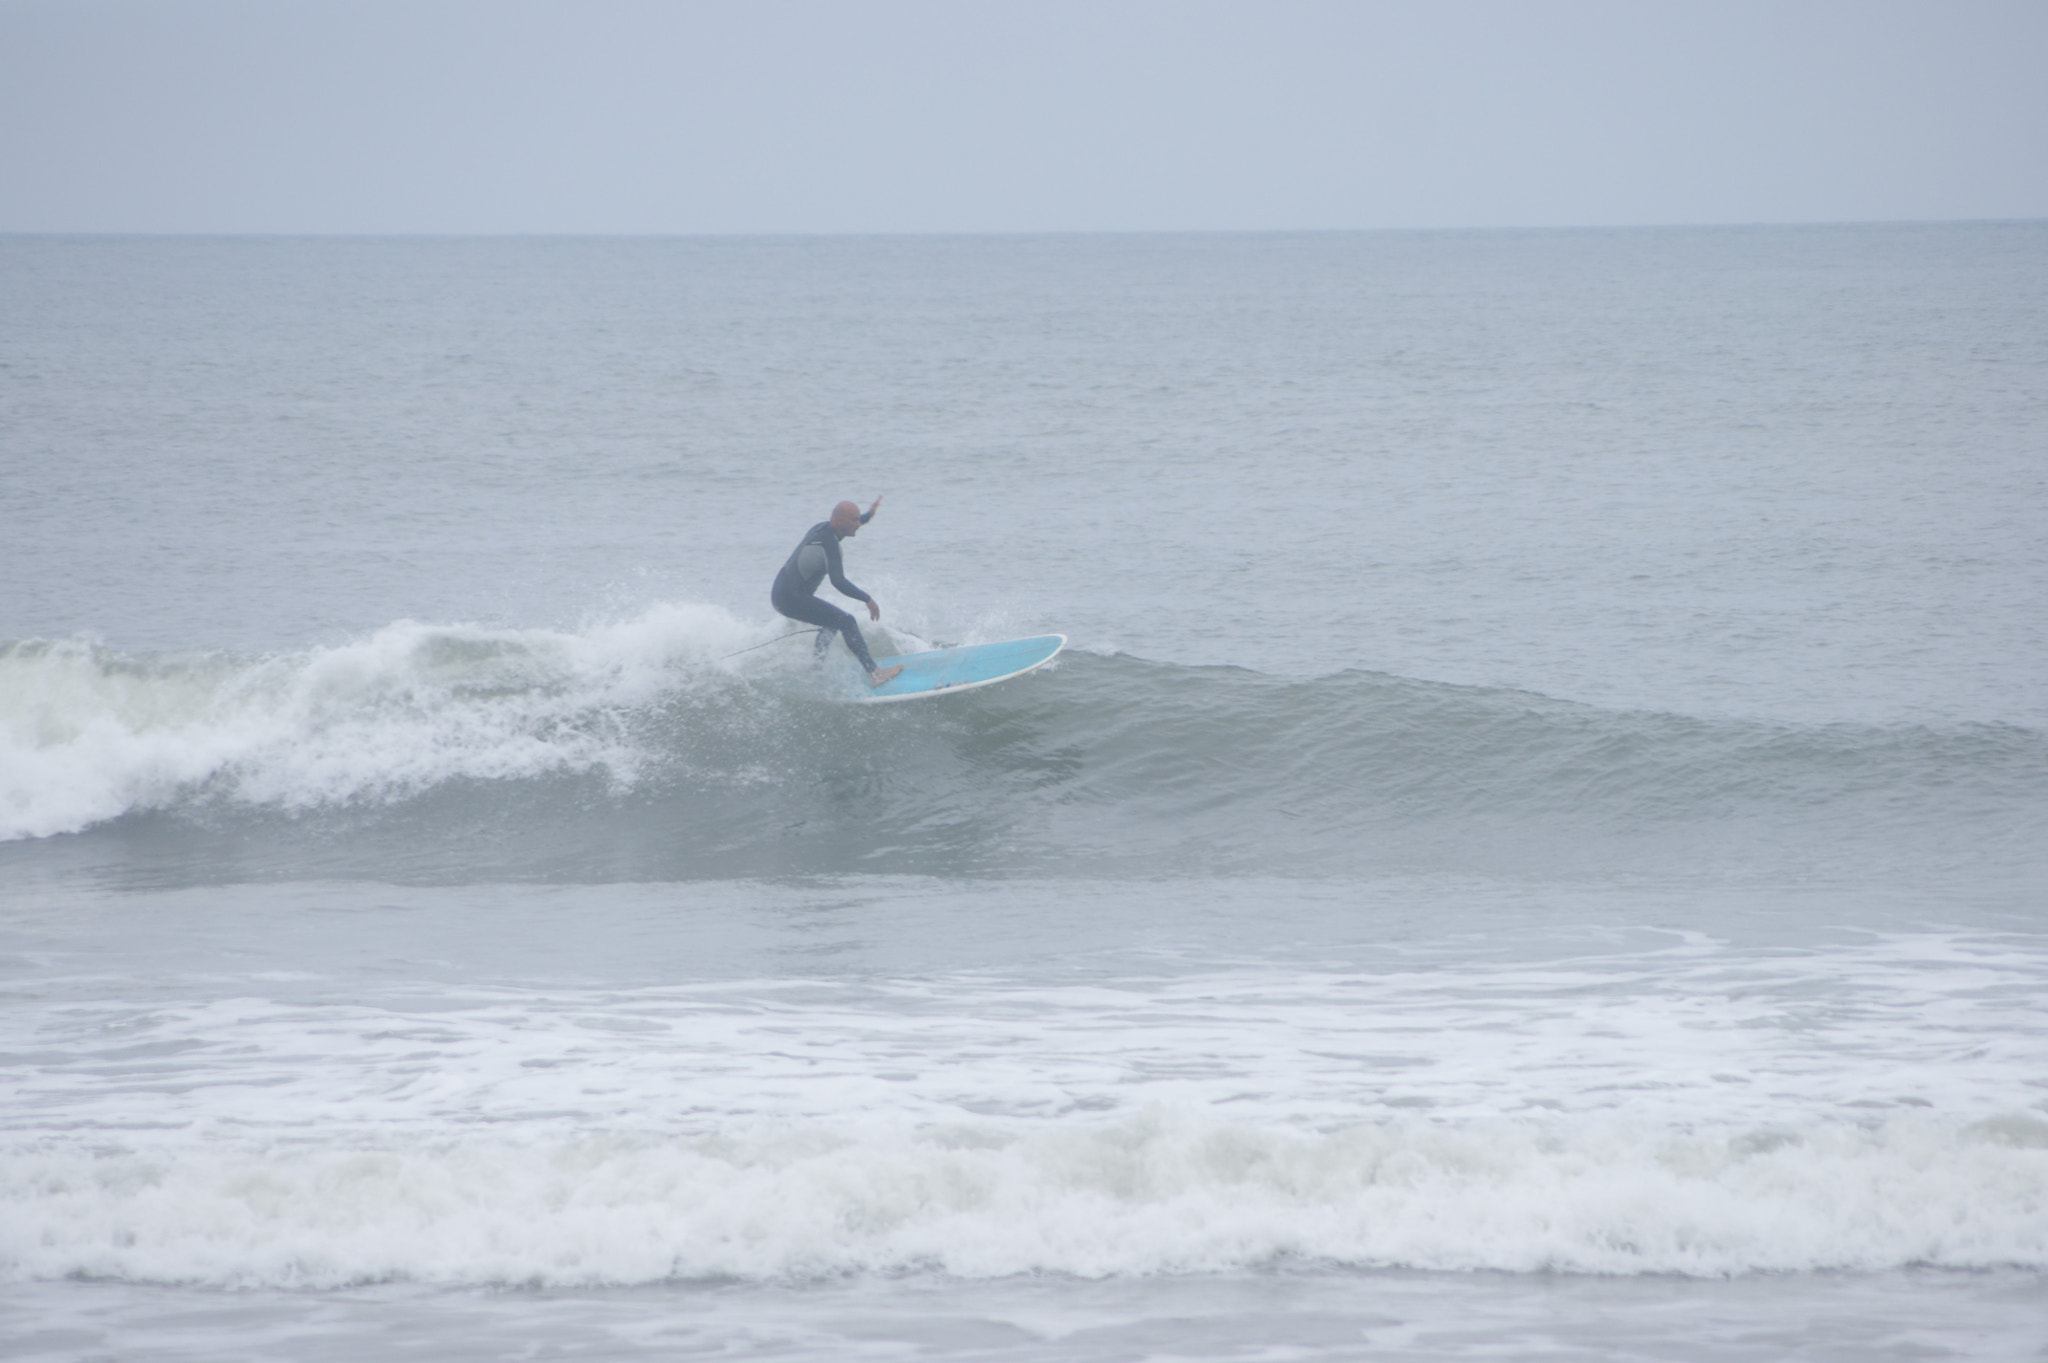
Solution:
(903, 233)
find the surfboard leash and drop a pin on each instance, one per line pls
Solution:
(793, 634)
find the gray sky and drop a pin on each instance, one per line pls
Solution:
(634, 116)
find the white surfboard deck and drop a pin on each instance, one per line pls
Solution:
(944, 671)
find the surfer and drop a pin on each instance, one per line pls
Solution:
(816, 558)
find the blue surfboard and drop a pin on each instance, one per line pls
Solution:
(946, 670)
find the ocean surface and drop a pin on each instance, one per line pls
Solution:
(1538, 845)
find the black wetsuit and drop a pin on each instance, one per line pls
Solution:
(796, 586)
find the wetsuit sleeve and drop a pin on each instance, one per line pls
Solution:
(837, 568)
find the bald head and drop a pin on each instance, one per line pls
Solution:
(846, 518)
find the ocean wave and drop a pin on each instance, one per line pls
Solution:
(91, 734)
(1160, 1193)
(675, 745)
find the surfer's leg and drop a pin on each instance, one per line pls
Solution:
(850, 631)
(812, 611)
(805, 610)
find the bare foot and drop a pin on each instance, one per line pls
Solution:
(882, 674)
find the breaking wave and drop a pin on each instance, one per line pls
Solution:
(645, 749)
(1155, 1194)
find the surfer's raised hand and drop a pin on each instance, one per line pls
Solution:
(871, 509)
(874, 609)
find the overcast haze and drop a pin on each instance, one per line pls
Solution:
(443, 116)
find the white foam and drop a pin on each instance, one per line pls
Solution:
(1161, 1192)
(1693, 1110)
(87, 734)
